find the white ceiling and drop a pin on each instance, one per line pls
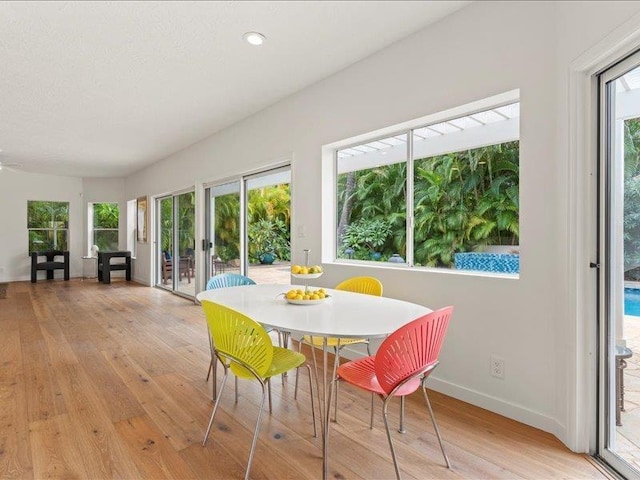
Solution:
(102, 89)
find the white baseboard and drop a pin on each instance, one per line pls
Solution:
(494, 404)
(483, 400)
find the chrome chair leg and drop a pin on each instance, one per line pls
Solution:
(255, 435)
(321, 406)
(269, 388)
(401, 428)
(315, 369)
(212, 354)
(213, 371)
(435, 425)
(209, 371)
(371, 423)
(215, 406)
(295, 395)
(385, 406)
(214, 382)
(295, 388)
(236, 393)
(336, 364)
(313, 407)
(283, 342)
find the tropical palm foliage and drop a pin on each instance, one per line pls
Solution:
(48, 224)
(106, 218)
(462, 201)
(186, 215)
(269, 220)
(268, 217)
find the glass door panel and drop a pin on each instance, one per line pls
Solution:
(225, 223)
(248, 227)
(619, 334)
(268, 226)
(184, 266)
(164, 243)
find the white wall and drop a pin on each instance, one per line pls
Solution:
(16, 188)
(105, 190)
(485, 49)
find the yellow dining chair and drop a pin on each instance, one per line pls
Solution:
(224, 280)
(365, 285)
(245, 348)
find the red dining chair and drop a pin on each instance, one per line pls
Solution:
(401, 365)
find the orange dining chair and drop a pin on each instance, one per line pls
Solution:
(365, 285)
(401, 365)
(245, 348)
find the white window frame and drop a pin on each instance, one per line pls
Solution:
(92, 230)
(54, 230)
(330, 175)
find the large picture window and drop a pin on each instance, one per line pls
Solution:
(48, 224)
(105, 223)
(459, 179)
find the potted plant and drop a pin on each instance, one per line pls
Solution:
(268, 240)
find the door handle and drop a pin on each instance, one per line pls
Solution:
(594, 265)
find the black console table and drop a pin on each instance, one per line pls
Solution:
(105, 267)
(50, 264)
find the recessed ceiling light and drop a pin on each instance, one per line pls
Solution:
(254, 38)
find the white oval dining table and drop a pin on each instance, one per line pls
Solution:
(344, 314)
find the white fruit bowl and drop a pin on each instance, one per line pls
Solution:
(305, 302)
(308, 276)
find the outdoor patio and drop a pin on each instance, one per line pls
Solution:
(274, 273)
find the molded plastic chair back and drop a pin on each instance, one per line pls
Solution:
(228, 280)
(368, 285)
(412, 349)
(236, 336)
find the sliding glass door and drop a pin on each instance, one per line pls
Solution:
(175, 245)
(268, 215)
(619, 278)
(248, 225)
(225, 227)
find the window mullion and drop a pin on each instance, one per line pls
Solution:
(409, 199)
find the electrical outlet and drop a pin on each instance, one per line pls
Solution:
(497, 366)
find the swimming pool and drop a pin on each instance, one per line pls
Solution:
(632, 301)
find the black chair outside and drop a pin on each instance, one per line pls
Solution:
(50, 264)
(105, 266)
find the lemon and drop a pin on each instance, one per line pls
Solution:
(314, 297)
(295, 269)
(299, 297)
(291, 294)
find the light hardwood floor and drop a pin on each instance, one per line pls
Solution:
(108, 381)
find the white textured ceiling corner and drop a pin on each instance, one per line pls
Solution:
(102, 89)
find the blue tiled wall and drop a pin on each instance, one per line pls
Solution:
(488, 262)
